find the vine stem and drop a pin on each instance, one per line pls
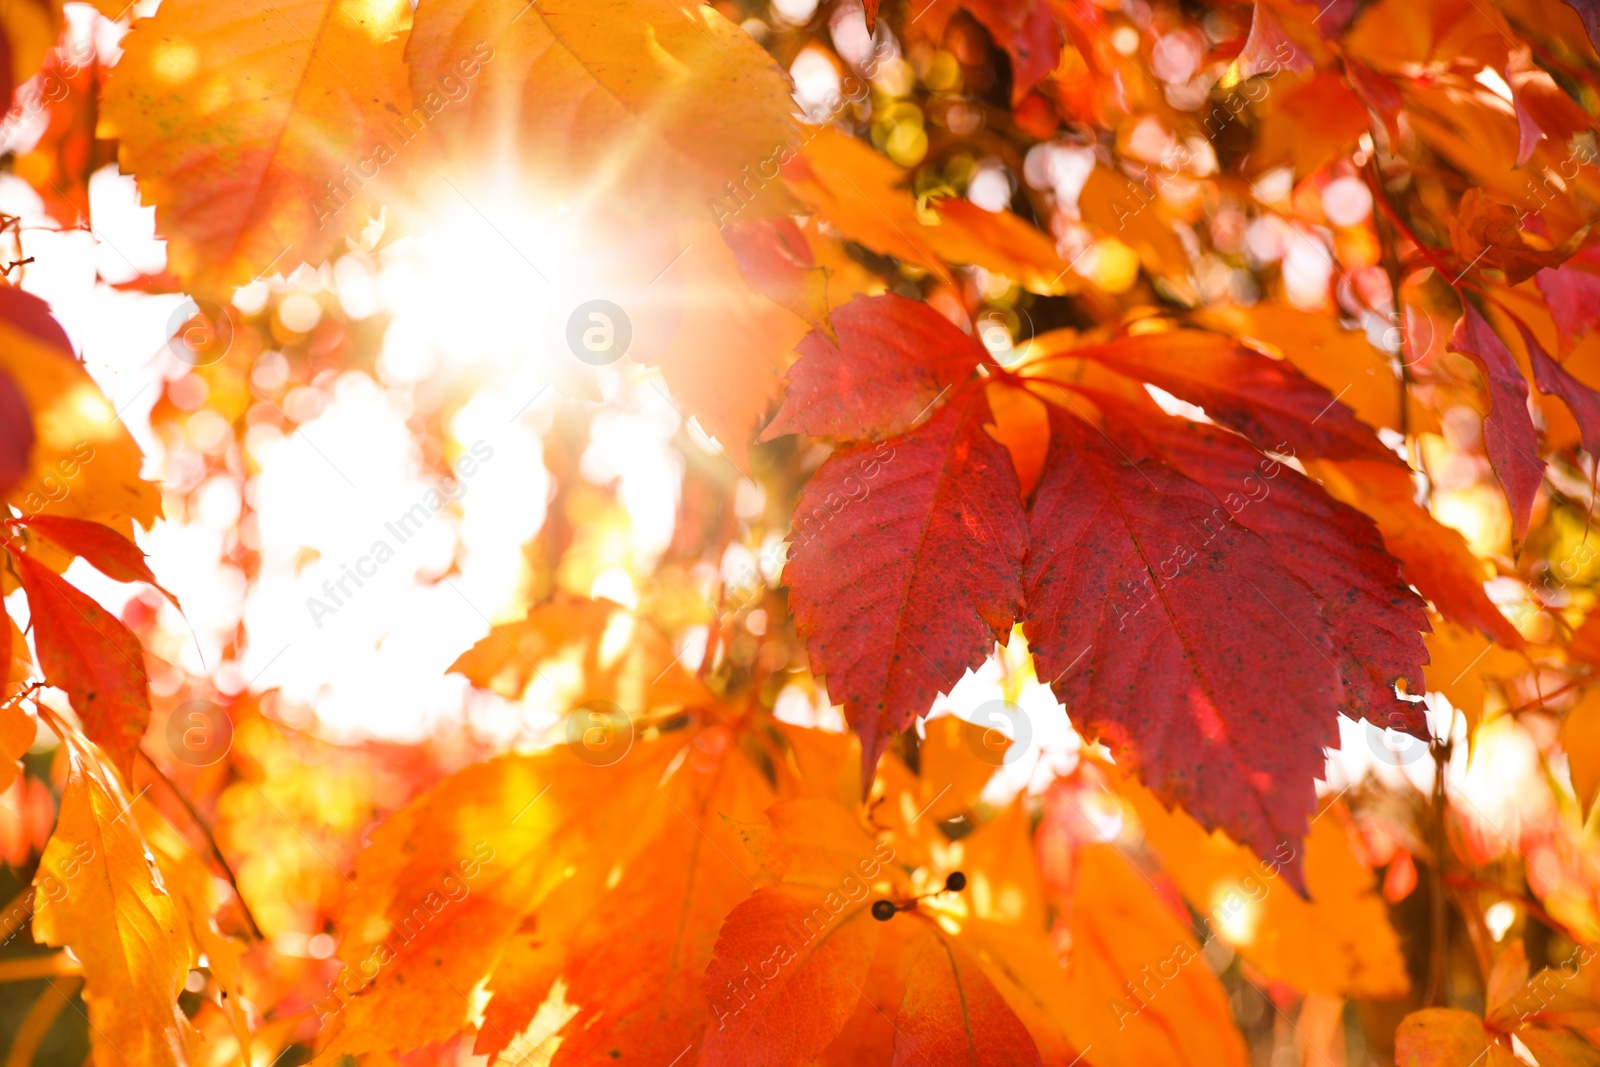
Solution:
(1437, 915)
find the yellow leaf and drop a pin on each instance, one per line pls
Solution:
(1339, 942)
(1461, 662)
(1448, 1037)
(259, 129)
(664, 98)
(99, 892)
(194, 890)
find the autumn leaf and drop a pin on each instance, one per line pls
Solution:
(776, 262)
(98, 891)
(1266, 400)
(1485, 230)
(817, 954)
(607, 98)
(260, 132)
(624, 658)
(106, 550)
(84, 464)
(1168, 1011)
(1029, 33)
(1447, 1037)
(16, 434)
(879, 531)
(526, 852)
(17, 726)
(89, 653)
(1335, 939)
(1580, 740)
(952, 1014)
(1174, 603)
(1573, 297)
(1508, 433)
(1552, 379)
(1376, 622)
(485, 826)
(894, 358)
(28, 29)
(862, 193)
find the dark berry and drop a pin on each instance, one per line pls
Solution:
(883, 910)
(956, 882)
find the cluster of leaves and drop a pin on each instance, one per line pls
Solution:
(1149, 342)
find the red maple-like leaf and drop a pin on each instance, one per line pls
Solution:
(1508, 434)
(86, 651)
(895, 357)
(905, 566)
(1030, 34)
(1268, 400)
(16, 434)
(776, 262)
(1373, 617)
(104, 548)
(1552, 379)
(1187, 647)
(1573, 297)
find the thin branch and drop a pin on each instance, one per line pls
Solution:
(1438, 916)
(211, 840)
(50, 965)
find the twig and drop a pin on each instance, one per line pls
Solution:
(211, 840)
(1438, 917)
(1527, 904)
(51, 965)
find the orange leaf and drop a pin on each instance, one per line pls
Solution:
(863, 194)
(952, 1014)
(789, 966)
(258, 132)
